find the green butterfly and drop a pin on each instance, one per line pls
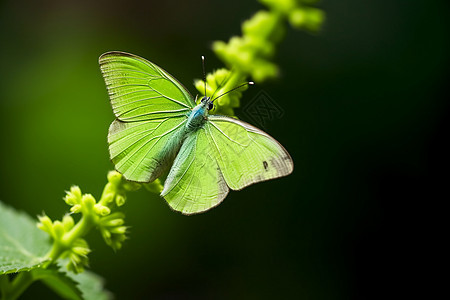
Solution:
(158, 124)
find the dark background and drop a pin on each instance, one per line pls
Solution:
(365, 122)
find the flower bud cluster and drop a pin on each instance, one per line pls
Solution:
(57, 228)
(112, 230)
(298, 12)
(76, 251)
(67, 235)
(77, 255)
(251, 53)
(116, 188)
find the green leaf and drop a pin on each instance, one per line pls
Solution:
(91, 286)
(59, 282)
(86, 285)
(22, 245)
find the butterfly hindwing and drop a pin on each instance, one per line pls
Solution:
(195, 182)
(225, 153)
(246, 154)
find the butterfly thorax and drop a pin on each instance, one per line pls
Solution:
(199, 114)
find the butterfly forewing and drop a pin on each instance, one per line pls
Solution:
(151, 107)
(140, 90)
(140, 150)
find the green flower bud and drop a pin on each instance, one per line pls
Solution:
(102, 210)
(258, 25)
(224, 101)
(75, 259)
(76, 208)
(131, 186)
(81, 251)
(112, 230)
(155, 186)
(76, 191)
(120, 200)
(283, 6)
(113, 216)
(108, 198)
(260, 47)
(88, 201)
(106, 235)
(110, 189)
(119, 230)
(80, 243)
(114, 177)
(316, 18)
(308, 18)
(45, 223)
(114, 222)
(297, 17)
(264, 70)
(68, 222)
(58, 230)
(219, 48)
(73, 196)
(116, 241)
(116, 245)
(78, 256)
(221, 75)
(76, 263)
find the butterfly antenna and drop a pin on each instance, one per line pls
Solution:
(233, 89)
(204, 73)
(221, 85)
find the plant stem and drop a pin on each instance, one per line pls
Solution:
(4, 284)
(18, 285)
(80, 229)
(85, 224)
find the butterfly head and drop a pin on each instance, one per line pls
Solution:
(207, 103)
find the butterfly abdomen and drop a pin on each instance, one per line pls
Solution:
(170, 150)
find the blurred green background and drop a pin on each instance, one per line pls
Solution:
(365, 122)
